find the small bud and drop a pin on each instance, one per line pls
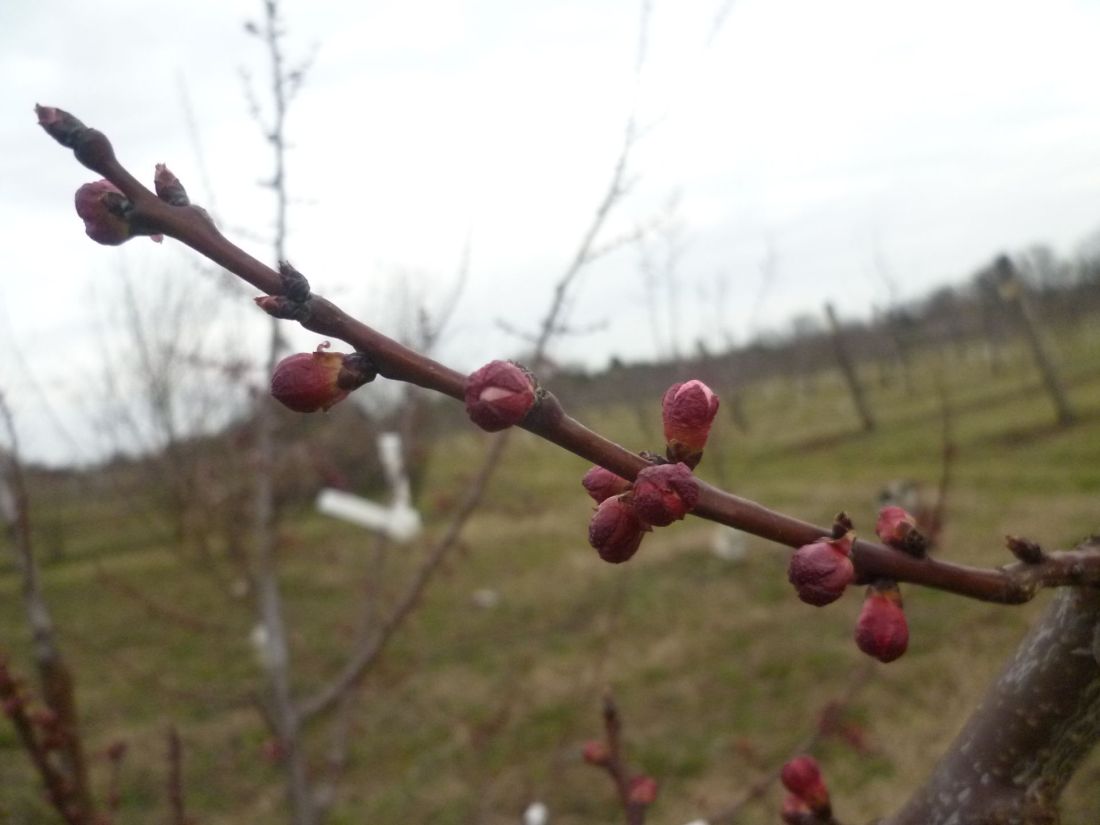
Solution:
(311, 381)
(881, 630)
(688, 410)
(897, 529)
(665, 493)
(499, 395)
(820, 571)
(615, 530)
(642, 790)
(116, 750)
(602, 484)
(1026, 550)
(279, 306)
(842, 525)
(273, 750)
(596, 753)
(293, 283)
(60, 125)
(168, 187)
(802, 777)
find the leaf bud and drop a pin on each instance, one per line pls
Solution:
(820, 571)
(499, 395)
(896, 528)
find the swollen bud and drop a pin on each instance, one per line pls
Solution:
(101, 205)
(615, 530)
(596, 753)
(665, 493)
(820, 571)
(602, 484)
(688, 410)
(802, 777)
(897, 529)
(499, 395)
(311, 381)
(642, 790)
(881, 630)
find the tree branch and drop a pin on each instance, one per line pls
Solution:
(1013, 584)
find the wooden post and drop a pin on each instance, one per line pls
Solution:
(1012, 293)
(849, 370)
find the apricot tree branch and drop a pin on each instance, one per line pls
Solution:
(1012, 584)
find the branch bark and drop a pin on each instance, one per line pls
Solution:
(1037, 722)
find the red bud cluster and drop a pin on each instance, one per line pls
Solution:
(881, 630)
(821, 571)
(311, 381)
(665, 493)
(499, 395)
(615, 530)
(688, 410)
(802, 777)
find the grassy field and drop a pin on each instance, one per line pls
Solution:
(718, 669)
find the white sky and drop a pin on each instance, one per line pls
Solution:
(930, 134)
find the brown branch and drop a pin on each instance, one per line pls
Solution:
(1013, 584)
(616, 767)
(54, 675)
(59, 789)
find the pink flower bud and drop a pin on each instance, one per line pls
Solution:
(881, 630)
(499, 395)
(602, 484)
(897, 529)
(615, 530)
(311, 381)
(642, 790)
(688, 410)
(802, 777)
(665, 493)
(596, 753)
(820, 571)
(99, 205)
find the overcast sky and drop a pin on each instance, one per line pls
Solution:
(859, 151)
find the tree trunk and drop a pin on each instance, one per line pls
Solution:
(1035, 725)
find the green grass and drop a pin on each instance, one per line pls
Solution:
(718, 669)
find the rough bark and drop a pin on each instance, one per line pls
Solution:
(1038, 721)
